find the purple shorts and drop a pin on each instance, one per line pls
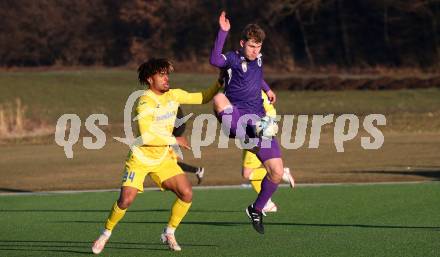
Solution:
(245, 128)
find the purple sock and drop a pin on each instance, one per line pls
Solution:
(267, 190)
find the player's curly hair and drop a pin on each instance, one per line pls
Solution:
(153, 66)
(253, 31)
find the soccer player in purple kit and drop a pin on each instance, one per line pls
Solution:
(243, 97)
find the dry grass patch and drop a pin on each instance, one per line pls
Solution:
(14, 123)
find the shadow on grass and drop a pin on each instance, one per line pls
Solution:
(29, 249)
(82, 247)
(131, 211)
(432, 172)
(13, 190)
(287, 224)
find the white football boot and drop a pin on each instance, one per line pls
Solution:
(288, 178)
(270, 206)
(199, 174)
(99, 243)
(170, 240)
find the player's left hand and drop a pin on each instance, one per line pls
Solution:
(183, 142)
(271, 96)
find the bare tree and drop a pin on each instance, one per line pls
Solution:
(281, 9)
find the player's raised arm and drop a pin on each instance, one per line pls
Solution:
(217, 59)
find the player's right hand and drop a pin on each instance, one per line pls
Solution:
(224, 22)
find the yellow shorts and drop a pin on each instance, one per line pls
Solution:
(136, 170)
(250, 160)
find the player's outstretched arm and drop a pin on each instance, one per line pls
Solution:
(184, 97)
(217, 59)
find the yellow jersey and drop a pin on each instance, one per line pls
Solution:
(156, 115)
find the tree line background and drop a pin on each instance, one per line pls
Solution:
(300, 33)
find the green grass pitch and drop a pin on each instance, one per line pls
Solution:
(345, 220)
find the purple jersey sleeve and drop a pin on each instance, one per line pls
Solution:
(265, 86)
(217, 58)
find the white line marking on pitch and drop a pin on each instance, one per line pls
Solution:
(242, 186)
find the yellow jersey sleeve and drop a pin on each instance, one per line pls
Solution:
(152, 132)
(184, 97)
(268, 106)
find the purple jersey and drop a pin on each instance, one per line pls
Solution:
(245, 78)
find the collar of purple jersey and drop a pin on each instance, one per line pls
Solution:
(242, 58)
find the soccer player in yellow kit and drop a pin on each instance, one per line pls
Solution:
(156, 109)
(254, 170)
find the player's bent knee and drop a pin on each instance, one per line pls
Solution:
(219, 98)
(275, 179)
(220, 102)
(276, 176)
(126, 198)
(124, 203)
(186, 195)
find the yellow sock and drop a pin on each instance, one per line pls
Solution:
(114, 217)
(178, 211)
(256, 177)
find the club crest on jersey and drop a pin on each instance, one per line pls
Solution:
(244, 66)
(172, 104)
(259, 62)
(243, 63)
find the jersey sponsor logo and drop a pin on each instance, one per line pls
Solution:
(166, 116)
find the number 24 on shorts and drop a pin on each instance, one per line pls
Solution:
(129, 175)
